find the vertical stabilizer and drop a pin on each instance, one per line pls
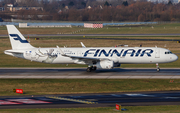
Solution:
(18, 41)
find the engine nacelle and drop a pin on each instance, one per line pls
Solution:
(105, 64)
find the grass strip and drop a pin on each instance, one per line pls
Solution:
(64, 86)
(170, 28)
(130, 109)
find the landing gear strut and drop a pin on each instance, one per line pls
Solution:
(89, 69)
(92, 68)
(157, 66)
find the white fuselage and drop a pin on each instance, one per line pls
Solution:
(120, 55)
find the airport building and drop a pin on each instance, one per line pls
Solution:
(93, 25)
(164, 1)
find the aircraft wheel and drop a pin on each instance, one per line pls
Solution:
(158, 69)
(88, 69)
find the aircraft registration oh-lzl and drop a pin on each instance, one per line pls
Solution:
(95, 58)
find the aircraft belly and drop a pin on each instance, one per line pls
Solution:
(63, 60)
(143, 60)
(136, 60)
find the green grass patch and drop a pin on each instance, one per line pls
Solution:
(169, 28)
(64, 86)
(130, 109)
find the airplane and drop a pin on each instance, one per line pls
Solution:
(94, 57)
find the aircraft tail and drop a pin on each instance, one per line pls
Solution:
(18, 41)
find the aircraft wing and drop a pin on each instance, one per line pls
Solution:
(82, 58)
(87, 58)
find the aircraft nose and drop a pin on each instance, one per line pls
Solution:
(174, 57)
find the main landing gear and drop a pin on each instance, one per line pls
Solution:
(92, 68)
(157, 66)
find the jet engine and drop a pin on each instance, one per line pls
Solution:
(105, 64)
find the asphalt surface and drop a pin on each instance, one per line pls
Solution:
(80, 73)
(91, 100)
(44, 35)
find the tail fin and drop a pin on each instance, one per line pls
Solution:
(17, 39)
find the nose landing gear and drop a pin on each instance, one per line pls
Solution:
(157, 66)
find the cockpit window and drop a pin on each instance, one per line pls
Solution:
(169, 52)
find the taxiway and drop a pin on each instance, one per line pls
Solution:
(45, 35)
(80, 73)
(91, 100)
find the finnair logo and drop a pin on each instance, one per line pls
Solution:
(122, 53)
(18, 38)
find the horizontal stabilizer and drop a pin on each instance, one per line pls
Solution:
(13, 51)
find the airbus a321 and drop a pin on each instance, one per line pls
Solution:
(94, 57)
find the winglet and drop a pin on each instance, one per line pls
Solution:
(61, 52)
(83, 45)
